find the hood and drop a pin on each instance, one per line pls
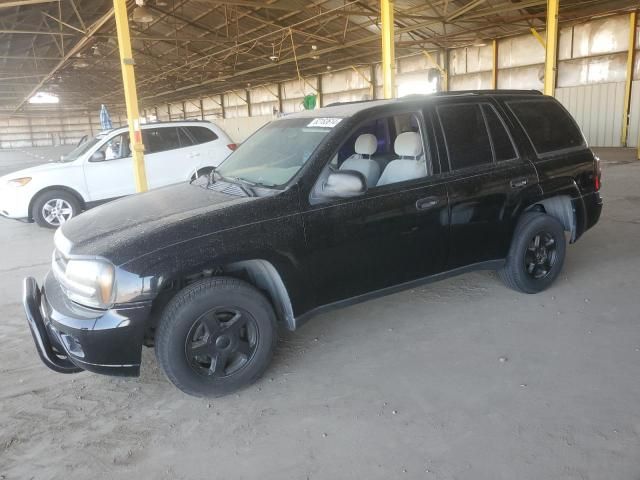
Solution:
(132, 226)
(31, 171)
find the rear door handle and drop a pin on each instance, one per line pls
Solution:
(518, 182)
(427, 203)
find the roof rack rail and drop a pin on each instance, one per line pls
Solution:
(335, 104)
(489, 92)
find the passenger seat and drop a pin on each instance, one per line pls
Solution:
(410, 165)
(366, 144)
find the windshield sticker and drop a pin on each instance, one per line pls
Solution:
(324, 122)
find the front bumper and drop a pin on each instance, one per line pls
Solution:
(70, 338)
(14, 202)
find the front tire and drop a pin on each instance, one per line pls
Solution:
(537, 253)
(54, 207)
(215, 337)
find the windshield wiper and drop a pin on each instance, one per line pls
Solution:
(254, 184)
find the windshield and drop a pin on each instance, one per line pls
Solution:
(81, 149)
(274, 154)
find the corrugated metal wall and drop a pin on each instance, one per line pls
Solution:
(597, 109)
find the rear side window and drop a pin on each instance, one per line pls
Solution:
(466, 136)
(201, 134)
(160, 139)
(547, 124)
(502, 144)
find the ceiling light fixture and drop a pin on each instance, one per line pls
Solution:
(480, 42)
(142, 14)
(44, 97)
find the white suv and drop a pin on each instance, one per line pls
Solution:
(102, 169)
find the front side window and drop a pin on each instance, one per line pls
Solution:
(275, 154)
(466, 135)
(387, 150)
(117, 147)
(547, 124)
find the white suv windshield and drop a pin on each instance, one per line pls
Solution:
(274, 154)
(81, 149)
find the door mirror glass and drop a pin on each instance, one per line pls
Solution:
(97, 156)
(343, 185)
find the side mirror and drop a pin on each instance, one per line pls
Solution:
(344, 184)
(97, 157)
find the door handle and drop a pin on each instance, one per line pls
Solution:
(519, 182)
(427, 203)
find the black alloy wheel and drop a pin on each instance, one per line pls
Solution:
(221, 342)
(540, 256)
(536, 255)
(216, 336)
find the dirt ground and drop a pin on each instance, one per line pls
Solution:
(407, 386)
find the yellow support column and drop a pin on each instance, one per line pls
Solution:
(629, 79)
(551, 54)
(494, 70)
(388, 48)
(130, 94)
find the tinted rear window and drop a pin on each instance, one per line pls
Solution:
(201, 134)
(466, 135)
(547, 124)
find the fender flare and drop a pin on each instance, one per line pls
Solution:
(561, 208)
(266, 277)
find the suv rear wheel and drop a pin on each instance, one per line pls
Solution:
(54, 207)
(215, 337)
(536, 255)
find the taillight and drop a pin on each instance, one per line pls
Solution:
(232, 146)
(597, 174)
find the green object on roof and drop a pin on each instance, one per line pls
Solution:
(309, 102)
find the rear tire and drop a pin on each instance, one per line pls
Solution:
(215, 337)
(536, 255)
(53, 208)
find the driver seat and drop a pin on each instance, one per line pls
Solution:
(366, 144)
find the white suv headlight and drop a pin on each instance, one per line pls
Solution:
(87, 282)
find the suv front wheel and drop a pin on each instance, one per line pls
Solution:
(53, 208)
(215, 337)
(536, 255)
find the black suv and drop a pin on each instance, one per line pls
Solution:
(316, 210)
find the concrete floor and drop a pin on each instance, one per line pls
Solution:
(407, 386)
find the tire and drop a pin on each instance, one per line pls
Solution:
(536, 255)
(215, 337)
(53, 208)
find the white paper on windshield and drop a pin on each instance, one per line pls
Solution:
(324, 122)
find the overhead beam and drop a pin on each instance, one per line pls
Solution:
(287, 5)
(35, 32)
(461, 11)
(80, 44)
(20, 3)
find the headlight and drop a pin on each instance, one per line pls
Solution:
(87, 282)
(19, 182)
